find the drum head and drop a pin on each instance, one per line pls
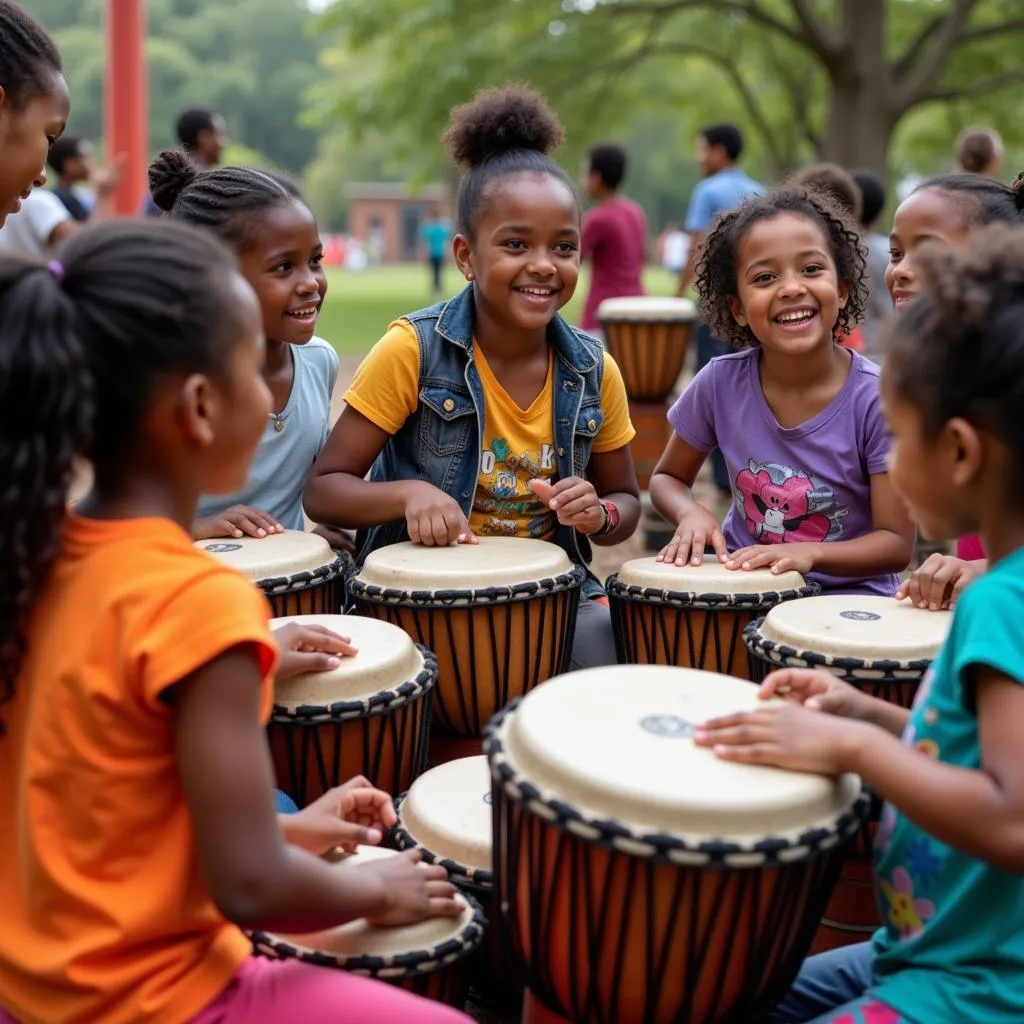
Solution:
(860, 626)
(387, 658)
(266, 558)
(415, 945)
(648, 307)
(447, 814)
(710, 583)
(494, 562)
(616, 743)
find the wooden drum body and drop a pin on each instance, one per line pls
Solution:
(648, 337)
(499, 616)
(693, 616)
(642, 879)
(370, 716)
(431, 958)
(298, 572)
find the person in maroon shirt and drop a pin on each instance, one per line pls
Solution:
(614, 240)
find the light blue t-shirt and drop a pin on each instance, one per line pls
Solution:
(435, 234)
(283, 459)
(721, 191)
(952, 948)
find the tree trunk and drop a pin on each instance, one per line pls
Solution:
(860, 116)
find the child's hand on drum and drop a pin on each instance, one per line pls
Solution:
(695, 531)
(340, 540)
(347, 816)
(237, 521)
(574, 500)
(815, 689)
(310, 649)
(433, 518)
(777, 557)
(939, 581)
(412, 891)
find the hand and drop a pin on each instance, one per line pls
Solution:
(696, 529)
(349, 815)
(786, 736)
(433, 518)
(306, 649)
(237, 521)
(575, 500)
(815, 689)
(106, 179)
(413, 891)
(340, 540)
(939, 581)
(778, 557)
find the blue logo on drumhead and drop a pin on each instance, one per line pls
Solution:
(670, 726)
(222, 549)
(858, 616)
(488, 798)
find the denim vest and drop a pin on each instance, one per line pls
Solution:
(441, 442)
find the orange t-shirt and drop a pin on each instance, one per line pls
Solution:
(104, 914)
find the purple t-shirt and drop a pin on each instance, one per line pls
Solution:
(791, 484)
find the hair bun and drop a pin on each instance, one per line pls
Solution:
(495, 121)
(169, 175)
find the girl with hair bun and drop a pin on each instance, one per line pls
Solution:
(488, 413)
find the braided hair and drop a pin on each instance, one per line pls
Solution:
(226, 200)
(83, 344)
(984, 200)
(718, 275)
(28, 56)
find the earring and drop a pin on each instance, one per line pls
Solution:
(469, 275)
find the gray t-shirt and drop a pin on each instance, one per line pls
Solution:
(278, 474)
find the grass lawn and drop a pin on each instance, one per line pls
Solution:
(360, 306)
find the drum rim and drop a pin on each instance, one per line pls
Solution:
(273, 585)
(572, 579)
(662, 847)
(380, 703)
(787, 656)
(410, 964)
(710, 600)
(460, 873)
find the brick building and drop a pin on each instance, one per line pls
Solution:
(395, 211)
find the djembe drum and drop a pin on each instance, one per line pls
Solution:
(370, 716)
(431, 958)
(693, 616)
(499, 616)
(641, 878)
(298, 572)
(881, 646)
(649, 338)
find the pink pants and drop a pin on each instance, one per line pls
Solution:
(285, 991)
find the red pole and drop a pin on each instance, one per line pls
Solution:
(126, 100)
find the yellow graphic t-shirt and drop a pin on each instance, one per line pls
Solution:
(518, 444)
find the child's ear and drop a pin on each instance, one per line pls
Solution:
(844, 293)
(736, 308)
(463, 256)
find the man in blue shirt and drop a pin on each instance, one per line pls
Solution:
(724, 186)
(436, 235)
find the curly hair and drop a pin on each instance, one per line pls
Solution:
(958, 350)
(28, 56)
(503, 131)
(718, 275)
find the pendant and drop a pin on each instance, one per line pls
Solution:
(278, 423)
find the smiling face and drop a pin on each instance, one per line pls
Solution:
(27, 131)
(285, 268)
(524, 256)
(929, 215)
(788, 292)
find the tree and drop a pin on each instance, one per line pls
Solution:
(828, 78)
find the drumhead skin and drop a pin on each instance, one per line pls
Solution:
(279, 555)
(865, 627)
(647, 307)
(494, 562)
(630, 757)
(709, 581)
(387, 658)
(447, 815)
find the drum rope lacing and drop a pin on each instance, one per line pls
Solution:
(683, 599)
(378, 704)
(662, 847)
(278, 584)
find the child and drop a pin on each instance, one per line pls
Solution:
(948, 857)
(878, 309)
(946, 210)
(263, 218)
(137, 824)
(796, 415)
(34, 105)
(488, 414)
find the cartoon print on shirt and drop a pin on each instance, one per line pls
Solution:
(504, 495)
(906, 914)
(780, 505)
